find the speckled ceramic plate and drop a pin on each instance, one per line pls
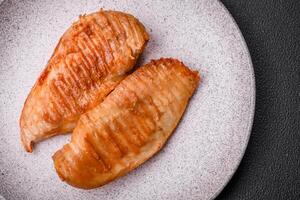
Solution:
(208, 144)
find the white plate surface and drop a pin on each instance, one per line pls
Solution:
(208, 144)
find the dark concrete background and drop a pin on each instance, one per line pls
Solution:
(270, 168)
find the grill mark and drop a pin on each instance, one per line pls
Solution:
(133, 35)
(99, 156)
(86, 68)
(73, 151)
(161, 72)
(132, 136)
(111, 40)
(118, 128)
(111, 28)
(120, 27)
(131, 144)
(68, 94)
(93, 83)
(73, 76)
(82, 84)
(58, 101)
(166, 94)
(82, 49)
(121, 146)
(150, 126)
(100, 150)
(145, 131)
(111, 146)
(85, 73)
(85, 99)
(76, 93)
(56, 107)
(116, 149)
(118, 139)
(105, 137)
(158, 87)
(184, 86)
(138, 123)
(97, 45)
(144, 35)
(139, 84)
(129, 34)
(49, 112)
(136, 35)
(157, 111)
(92, 24)
(101, 62)
(170, 93)
(138, 81)
(103, 54)
(100, 161)
(131, 122)
(113, 23)
(70, 85)
(49, 116)
(142, 80)
(88, 57)
(172, 102)
(151, 111)
(64, 97)
(150, 73)
(140, 140)
(139, 31)
(154, 113)
(179, 90)
(93, 49)
(70, 78)
(109, 57)
(76, 70)
(126, 90)
(122, 19)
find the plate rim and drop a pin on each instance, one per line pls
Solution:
(252, 100)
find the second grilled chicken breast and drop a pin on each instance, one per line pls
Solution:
(129, 126)
(91, 58)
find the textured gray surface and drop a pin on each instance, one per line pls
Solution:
(208, 144)
(271, 166)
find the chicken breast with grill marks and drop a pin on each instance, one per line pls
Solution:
(91, 58)
(129, 126)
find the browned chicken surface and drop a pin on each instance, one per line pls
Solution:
(129, 126)
(91, 58)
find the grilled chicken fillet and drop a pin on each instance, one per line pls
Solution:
(129, 126)
(91, 58)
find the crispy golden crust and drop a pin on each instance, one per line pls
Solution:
(129, 126)
(91, 58)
